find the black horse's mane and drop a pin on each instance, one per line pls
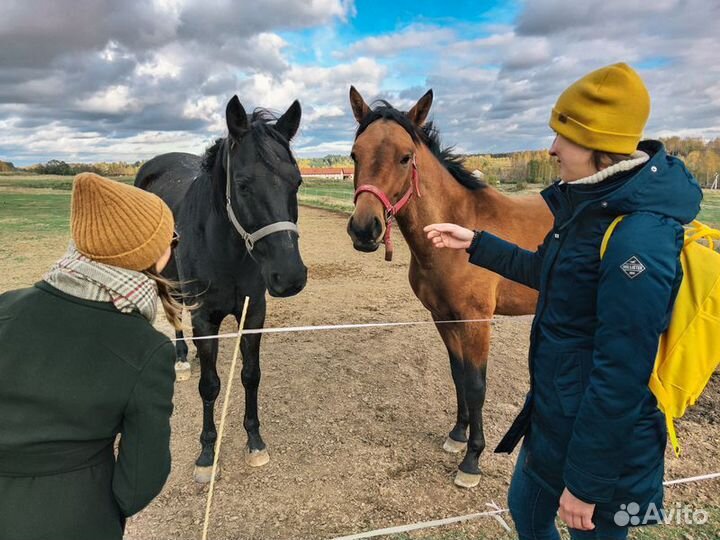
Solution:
(429, 136)
(263, 132)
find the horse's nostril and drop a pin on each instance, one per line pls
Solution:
(377, 226)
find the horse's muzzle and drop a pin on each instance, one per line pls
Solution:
(366, 236)
(366, 248)
(282, 285)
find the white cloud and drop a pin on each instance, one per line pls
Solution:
(71, 145)
(112, 100)
(412, 37)
(203, 107)
(318, 112)
(162, 66)
(324, 148)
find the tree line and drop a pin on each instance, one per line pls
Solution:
(331, 160)
(56, 166)
(529, 166)
(538, 167)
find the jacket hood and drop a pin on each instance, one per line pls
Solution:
(662, 185)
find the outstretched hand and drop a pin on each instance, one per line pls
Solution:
(449, 235)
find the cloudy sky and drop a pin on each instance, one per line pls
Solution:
(90, 80)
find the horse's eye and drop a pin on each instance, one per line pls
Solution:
(405, 160)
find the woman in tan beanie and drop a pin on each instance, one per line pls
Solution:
(594, 438)
(82, 363)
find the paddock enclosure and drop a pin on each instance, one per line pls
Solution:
(355, 419)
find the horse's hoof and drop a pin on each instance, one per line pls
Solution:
(465, 480)
(454, 447)
(203, 475)
(257, 458)
(182, 371)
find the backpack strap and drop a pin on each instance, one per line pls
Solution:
(698, 230)
(670, 423)
(608, 234)
(695, 231)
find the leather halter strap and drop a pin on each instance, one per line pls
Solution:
(391, 210)
(250, 238)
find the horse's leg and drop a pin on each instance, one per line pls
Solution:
(476, 346)
(457, 439)
(209, 387)
(182, 366)
(451, 336)
(257, 454)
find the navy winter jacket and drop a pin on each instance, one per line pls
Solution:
(590, 422)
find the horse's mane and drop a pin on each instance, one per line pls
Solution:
(427, 135)
(263, 132)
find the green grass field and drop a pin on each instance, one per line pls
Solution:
(710, 210)
(335, 195)
(33, 204)
(46, 181)
(32, 214)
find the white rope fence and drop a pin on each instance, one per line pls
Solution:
(324, 327)
(692, 479)
(495, 514)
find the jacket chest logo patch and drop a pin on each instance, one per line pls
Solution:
(632, 267)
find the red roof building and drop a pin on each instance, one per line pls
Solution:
(328, 172)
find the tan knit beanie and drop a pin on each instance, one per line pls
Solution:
(117, 224)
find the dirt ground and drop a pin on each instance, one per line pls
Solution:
(355, 419)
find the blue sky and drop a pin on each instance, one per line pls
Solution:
(102, 80)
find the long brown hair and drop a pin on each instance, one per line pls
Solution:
(168, 291)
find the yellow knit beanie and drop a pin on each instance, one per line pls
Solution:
(605, 110)
(117, 224)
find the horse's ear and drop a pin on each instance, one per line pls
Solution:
(419, 112)
(236, 118)
(289, 122)
(360, 109)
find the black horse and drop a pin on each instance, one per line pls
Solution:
(245, 182)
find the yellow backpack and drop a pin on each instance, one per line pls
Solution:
(689, 350)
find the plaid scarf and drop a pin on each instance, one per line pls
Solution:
(77, 275)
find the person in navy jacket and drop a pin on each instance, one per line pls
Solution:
(594, 438)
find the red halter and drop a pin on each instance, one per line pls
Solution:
(392, 209)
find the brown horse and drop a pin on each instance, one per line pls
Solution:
(398, 158)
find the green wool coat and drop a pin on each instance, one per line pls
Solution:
(73, 375)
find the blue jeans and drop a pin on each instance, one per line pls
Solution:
(534, 509)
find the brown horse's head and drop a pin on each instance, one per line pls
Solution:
(385, 146)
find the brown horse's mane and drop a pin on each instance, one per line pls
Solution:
(427, 135)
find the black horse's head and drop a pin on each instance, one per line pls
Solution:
(263, 183)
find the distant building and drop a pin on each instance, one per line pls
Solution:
(336, 173)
